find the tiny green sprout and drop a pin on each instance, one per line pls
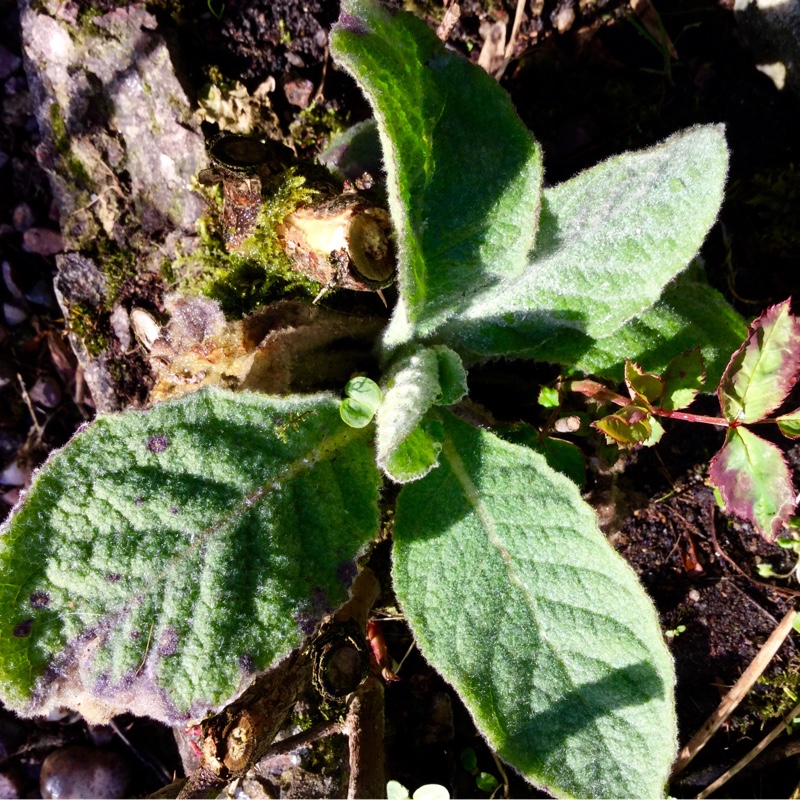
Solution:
(430, 791)
(788, 543)
(362, 401)
(765, 570)
(677, 631)
(486, 782)
(548, 397)
(469, 760)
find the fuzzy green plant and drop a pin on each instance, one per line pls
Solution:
(164, 556)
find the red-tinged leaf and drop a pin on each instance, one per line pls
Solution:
(763, 370)
(642, 386)
(754, 481)
(789, 424)
(683, 379)
(597, 392)
(629, 426)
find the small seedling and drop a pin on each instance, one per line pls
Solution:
(430, 791)
(677, 631)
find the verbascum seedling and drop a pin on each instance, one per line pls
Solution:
(165, 556)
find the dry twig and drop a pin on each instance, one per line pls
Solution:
(736, 694)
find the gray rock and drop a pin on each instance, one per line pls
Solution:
(120, 147)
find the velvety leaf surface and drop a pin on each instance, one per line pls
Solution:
(609, 241)
(464, 175)
(162, 557)
(754, 481)
(409, 431)
(764, 369)
(519, 601)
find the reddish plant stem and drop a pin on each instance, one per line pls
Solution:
(687, 416)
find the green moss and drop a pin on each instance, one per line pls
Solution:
(71, 163)
(261, 272)
(88, 324)
(315, 126)
(774, 696)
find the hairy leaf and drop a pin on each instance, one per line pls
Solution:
(689, 312)
(163, 557)
(464, 175)
(609, 241)
(409, 432)
(754, 481)
(763, 370)
(683, 379)
(518, 600)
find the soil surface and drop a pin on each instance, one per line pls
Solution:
(588, 83)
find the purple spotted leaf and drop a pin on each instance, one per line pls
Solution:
(163, 557)
(683, 379)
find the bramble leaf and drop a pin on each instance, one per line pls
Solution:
(628, 426)
(754, 481)
(683, 379)
(163, 557)
(464, 175)
(789, 424)
(518, 600)
(763, 370)
(642, 385)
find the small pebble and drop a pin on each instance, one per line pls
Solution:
(22, 217)
(46, 392)
(12, 475)
(8, 280)
(14, 315)
(10, 783)
(298, 91)
(42, 241)
(694, 595)
(295, 60)
(87, 772)
(8, 62)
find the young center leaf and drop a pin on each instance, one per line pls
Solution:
(163, 557)
(464, 174)
(754, 481)
(763, 370)
(609, 241)
(409, 430)
(518, 600)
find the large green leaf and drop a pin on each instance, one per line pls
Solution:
(464, 175)
(163, 557)
(518, 600)
(690, 312)
(609, 241)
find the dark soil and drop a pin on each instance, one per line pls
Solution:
(596, 88)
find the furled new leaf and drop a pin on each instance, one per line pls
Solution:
(519, 601)
(464, 175)
(409, 431)
(763, 370)
(163, 557)
(754, 481)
